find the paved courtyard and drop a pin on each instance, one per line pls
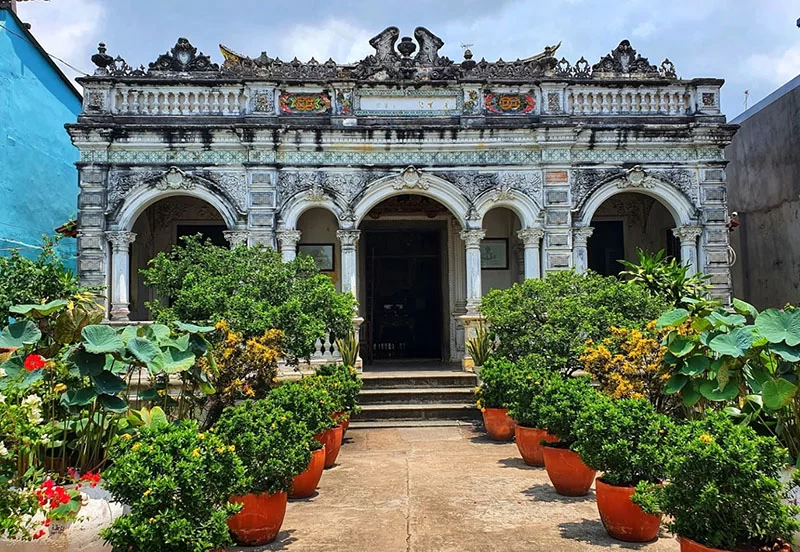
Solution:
(441, 489)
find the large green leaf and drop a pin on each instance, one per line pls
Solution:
(19, 334)
(778, 326)
(193, 328)
(143, 349)
(88, 364)
(734, 344)
(690, 394)
(727, 319)
(157, 332)
(790, 354)
(696, 365)
(101, 339)
(743, 307)
(128, 333)
(675, 384)
(710, 391)
(672, 318)
(69, 324)
(175, 361)
(681, 346)
(107, 383)
(40, 311)
(778, 393)
(113, 403)
(78, 397)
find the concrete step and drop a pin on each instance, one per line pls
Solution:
(418, 411)
(409, 379)
(388, 424)
(407, 395)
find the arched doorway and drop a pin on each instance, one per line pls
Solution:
(624, 223)
(408, 263)
(161, 226)
(502, 250)
(318, 227)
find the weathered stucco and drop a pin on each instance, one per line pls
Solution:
(38, 178)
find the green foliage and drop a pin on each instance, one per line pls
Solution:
(667, 278)
(481, 346)
(500, 379)
(18, 503)
(561, 403)
(309, 404)
(724, 489)
(177, 483)
(274, 444)
(349, 347)
(342, 383)
(529, 382)
(625, 439)
(29, 281)
(252, 289)
(554, 316)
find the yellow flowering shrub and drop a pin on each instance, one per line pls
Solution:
(629, 364)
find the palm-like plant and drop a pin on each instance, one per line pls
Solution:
(481, 346)
(349, 348)
(666, 277)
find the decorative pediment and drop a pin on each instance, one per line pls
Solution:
(411, 179)
(623, 60)
(584, 182)
(183, 58)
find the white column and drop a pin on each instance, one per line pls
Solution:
(348, 240)
(236, 237)
(472, 239)
(580, 251)
(688, 236)
(120, 273)
(288, 241)
(531, 238)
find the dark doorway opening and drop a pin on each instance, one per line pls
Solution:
(404, 294)
(213, 232)
(607, 247)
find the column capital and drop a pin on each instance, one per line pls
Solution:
(531, 236)
(289, 238)
(581, 235)
(472, 237)
(120, 240)
(236, 237)
(688, 234)
(348, 238)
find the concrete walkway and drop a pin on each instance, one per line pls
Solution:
(441, 489)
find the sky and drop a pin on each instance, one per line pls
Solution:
(753, 44)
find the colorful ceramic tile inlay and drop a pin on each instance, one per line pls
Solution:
(305, 103)
(509, 104)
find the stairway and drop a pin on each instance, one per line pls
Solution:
(409, 398)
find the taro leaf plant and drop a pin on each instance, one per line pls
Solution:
(745, 362)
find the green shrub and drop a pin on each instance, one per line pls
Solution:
(724, 489)
(250, 288)
(560, 405)
(177, 483)
(499, 379)
(526, 395)
(274, 444)
(554, 316)
(344, 383)
(667, 278)
(309, 404)
(625, 439)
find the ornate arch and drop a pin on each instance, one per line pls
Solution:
(413, 181)
(298, 204)
(526, 208)
(174, 182)
(636, 180)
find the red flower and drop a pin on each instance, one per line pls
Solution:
(47, 522)
(34, 362)
(39, 534)
(92, 478)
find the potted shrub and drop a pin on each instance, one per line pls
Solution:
(723, 490)
(626, 440)
(274, 447)
(337, 410)
(562, 401)
(309, 405)
(494, 395)
(176, 482)
(529, 431)
(347, 384)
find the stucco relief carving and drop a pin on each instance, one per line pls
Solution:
(585, 181)
(471, 183)
(529, 183)
(410, 179)
(120, 183)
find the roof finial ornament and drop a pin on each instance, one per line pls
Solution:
(102, 59)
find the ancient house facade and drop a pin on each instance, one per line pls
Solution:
(417, 182)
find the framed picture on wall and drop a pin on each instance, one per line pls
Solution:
(494, 254)
(322, 253)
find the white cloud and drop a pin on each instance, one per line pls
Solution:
(337, 39)
(645, 30)
(776, 67)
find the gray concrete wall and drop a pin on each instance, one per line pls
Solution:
(764, 189)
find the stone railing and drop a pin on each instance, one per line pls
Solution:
(194, 100)
(628, 101)
(325, 351)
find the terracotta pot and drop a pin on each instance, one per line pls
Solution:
(529, 444)
(306, 483)
(499, 425)
(332, 439)
(623, 519)
(567, 472)
(343, 419)
(260, 520)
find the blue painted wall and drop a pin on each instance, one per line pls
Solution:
(38, 178)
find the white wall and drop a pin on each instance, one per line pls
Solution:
(503, 223)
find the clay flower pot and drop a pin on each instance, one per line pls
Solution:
(688, 545)
(499, 425)
(260, 519)
(342, 419)
(567, 472)
(623, 519)
(332, 439)
(529, 444)
(305, 484)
